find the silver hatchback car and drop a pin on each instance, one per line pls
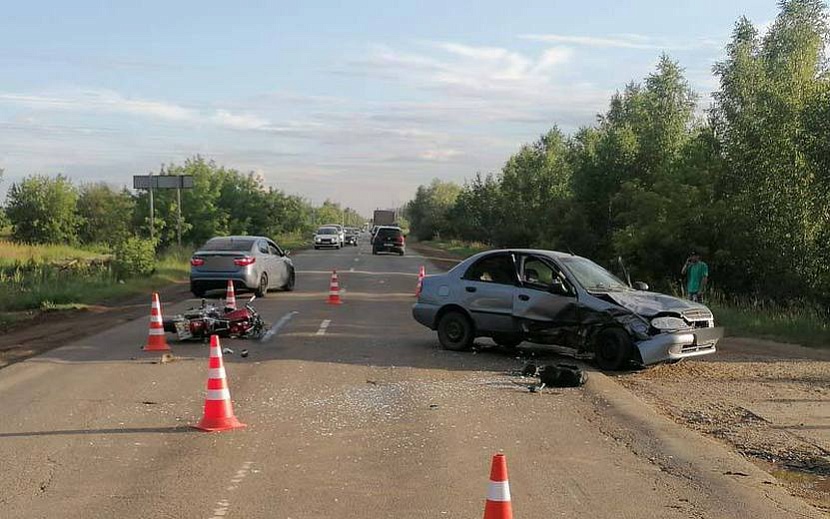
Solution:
(556, 298)
(252, 262)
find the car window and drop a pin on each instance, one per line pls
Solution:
(263, 247)
(539, 274)
(273, 250)
(493, 269)
(228, 244)
(536, 272)
(389, 233)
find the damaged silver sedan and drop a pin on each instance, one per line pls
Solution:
(555, 298)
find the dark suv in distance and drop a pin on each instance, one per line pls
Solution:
(389, 239)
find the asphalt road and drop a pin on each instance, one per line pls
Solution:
(363, 418)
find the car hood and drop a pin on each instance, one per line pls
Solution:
(651, 303)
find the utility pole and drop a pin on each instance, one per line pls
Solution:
(152, 214)
(179, 214)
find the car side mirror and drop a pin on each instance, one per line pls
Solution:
(639, 285)
(286, 252)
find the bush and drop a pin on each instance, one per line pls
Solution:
(134, 257)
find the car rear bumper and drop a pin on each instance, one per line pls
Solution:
(425, 314)
(211, 281)
(390, 248)
(680, 345)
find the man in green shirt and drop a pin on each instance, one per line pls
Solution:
(697, 275)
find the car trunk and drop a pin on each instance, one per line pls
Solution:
(219, 261)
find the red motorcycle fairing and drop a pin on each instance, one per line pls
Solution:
(241, 314)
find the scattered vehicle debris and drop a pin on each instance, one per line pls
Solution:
(562, 375)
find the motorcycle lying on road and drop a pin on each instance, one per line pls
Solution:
(199, 323)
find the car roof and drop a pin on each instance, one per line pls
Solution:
(240, 237)
(540, 252)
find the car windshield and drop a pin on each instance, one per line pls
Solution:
(591, 276)
(228, 244)
(327, 230)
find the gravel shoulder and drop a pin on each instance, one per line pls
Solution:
(768, 401)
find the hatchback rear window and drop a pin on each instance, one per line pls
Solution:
(389, 233)
(228, 244)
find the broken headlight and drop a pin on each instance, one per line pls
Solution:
(669, 324)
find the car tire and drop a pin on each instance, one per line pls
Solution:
(316, 248)
(262, 288)
(292, 279)
(455, 331)
(401, 253)
(612, 349)
(507, 341)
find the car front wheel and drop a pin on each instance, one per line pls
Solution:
(612, 349)
(289, 285)
(455, 331)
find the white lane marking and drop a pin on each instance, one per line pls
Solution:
(277, 327)
(351, 269)
(356, 260)
(224, 504)
(364, 272)
(324, 326)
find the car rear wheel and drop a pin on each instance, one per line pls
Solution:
(612, 349)
(455, 331)
(262, 289)
(197, 290)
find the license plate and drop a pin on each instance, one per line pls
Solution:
(183, 330)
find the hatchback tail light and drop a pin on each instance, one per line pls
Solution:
(244, 261)
(197, 262)
(399, 240)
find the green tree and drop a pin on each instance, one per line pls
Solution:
(105, 214)
(43, 209)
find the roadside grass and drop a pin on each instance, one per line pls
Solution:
(797, 323)
(11, 252)
(293, 241)
(461, 249)
(60, 277)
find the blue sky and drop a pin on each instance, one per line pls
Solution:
(358, 103)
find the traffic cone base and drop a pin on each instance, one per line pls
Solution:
(156, 340)
(218, 414)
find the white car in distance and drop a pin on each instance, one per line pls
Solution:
(327, 237)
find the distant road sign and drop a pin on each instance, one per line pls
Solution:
(162, 181)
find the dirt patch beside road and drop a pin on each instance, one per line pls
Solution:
(769, 401)
(48, 330)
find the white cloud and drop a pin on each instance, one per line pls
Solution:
(239, 121)
(106, 101)
(621, 41)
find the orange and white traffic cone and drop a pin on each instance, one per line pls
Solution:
(421, 275)
(334, 290)
(498, 493)
(218, 414)
(156, 341)
(230, 297)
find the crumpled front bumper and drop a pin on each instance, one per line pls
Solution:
(679, 345)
